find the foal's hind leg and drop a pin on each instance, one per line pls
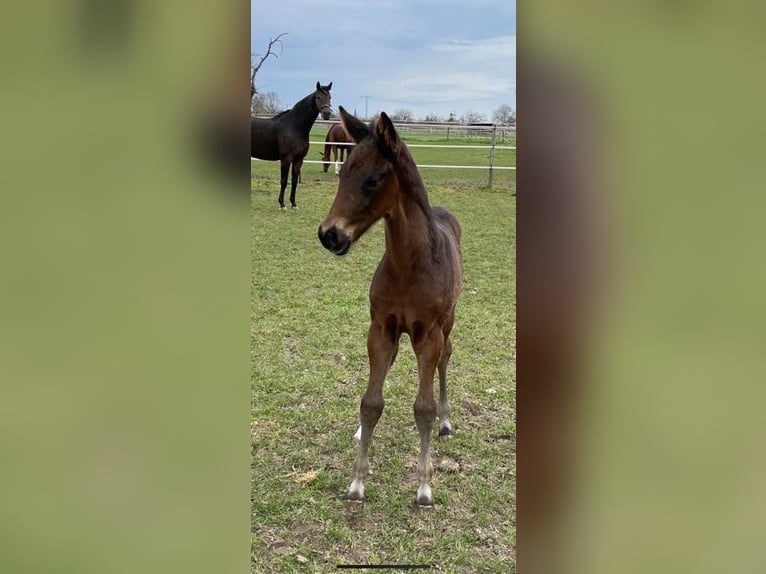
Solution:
(428, 351)
(381, 348)
(443, 409)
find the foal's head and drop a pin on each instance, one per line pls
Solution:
(322, 98)
(369, 185)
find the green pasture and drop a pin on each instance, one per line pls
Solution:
(309, 369)
(424, 156)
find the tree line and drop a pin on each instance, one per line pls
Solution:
(267, 103)
(503, 115)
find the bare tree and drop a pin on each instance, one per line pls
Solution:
(402, 115)
(474, 118)
(265, 104)
(256, 61)
(433, 118)
(504, 115)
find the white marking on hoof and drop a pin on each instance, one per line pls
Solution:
(445, 430)
(423, 497)
(295, 207)
(356, 491)
(358, 434)
(281, 208)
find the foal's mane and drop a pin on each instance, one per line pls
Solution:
(411, 183)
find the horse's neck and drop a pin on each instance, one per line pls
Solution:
(409, 227)
(306, 112)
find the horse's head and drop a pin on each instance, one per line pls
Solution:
(369, 184)
(322, 98)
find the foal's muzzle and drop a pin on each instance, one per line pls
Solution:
(332, 240)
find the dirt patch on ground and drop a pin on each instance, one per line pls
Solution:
(291, 346)
(493, 545)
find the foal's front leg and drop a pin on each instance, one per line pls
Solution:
(428, 350)
(381, 348)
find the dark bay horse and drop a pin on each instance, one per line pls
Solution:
(285, 137)
(336, 134)
(415, 287)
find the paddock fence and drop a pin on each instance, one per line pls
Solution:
(496, 134)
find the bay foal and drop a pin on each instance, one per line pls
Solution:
(415, 287)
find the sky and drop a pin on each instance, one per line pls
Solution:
(427, 56)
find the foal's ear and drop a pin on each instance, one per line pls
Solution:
(355, 128)
(387, 134)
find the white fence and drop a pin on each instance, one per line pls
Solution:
(487, 131)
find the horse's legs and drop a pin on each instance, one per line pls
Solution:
(381, 348)
(358, 433)
(297, 163)
(285, 169)
(344, 151)
(337, 149)
(428, 350)
(443, 409)
(326, 157)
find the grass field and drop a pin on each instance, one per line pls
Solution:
(309, 323)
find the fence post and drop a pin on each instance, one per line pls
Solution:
(492, 154)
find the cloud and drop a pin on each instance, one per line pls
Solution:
(454, 75)
(471, 50)
(428, 56)
(427, 88)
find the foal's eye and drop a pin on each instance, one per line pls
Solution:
(371, 182)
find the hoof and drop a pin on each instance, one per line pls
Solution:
(281, 208)
(355, 496)
(423, 498)
(445, 432)
(424, 503)
(356, 491)
(295, 207)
